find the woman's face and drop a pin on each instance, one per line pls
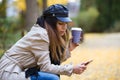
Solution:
(61, 27)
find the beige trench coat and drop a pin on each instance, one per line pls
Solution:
(29, 51)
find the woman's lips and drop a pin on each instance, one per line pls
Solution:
(62, 31)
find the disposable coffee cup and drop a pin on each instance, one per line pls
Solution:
(76, 35)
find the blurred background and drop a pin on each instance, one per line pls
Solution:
(99, 19)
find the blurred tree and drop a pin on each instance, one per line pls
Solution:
(115, 9)
(2, 20)
(87, 4)
(109, 13)
(3, 9)
(44, 4)
(31, 13)
(20, 4)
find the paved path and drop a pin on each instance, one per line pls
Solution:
(102, 40)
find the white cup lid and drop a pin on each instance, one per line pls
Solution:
(76, 29)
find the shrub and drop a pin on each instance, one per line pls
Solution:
(86, 19)
(8, 27)
(115, 27)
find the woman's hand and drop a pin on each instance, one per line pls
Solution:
(72, 45)
(78, 69)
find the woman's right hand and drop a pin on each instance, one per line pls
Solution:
(80, 68)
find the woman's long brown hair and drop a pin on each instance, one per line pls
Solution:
(58, 44)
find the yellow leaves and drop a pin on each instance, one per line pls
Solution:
(20, 4)
(50, 2)
(40, 3)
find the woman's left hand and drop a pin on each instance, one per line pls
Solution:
(72, 45)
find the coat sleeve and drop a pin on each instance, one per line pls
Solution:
(40, 49)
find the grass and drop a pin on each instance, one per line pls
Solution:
(105, 52)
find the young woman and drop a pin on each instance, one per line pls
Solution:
(38, 55)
